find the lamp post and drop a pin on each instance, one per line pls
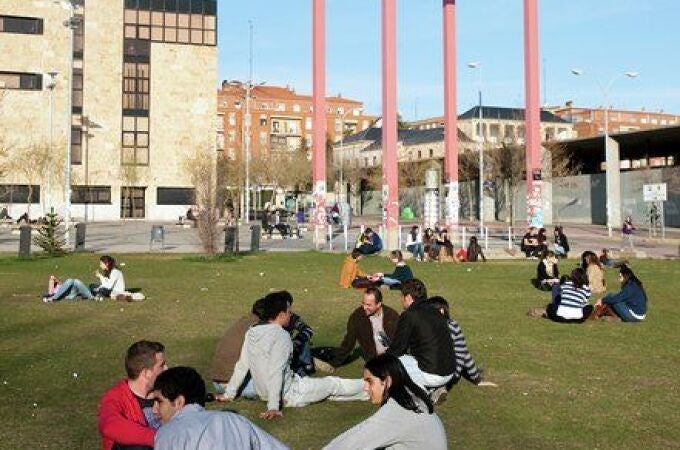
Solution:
(342, 157)
(475, 65)
(51, 84)
(609, 160)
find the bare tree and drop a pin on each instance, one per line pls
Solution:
(468, 170)
(200, 166)
(560, 166)
(507, 166)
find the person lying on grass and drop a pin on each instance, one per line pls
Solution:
(406, 418)
(111, 283)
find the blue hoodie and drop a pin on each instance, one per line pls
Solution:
(632, 295)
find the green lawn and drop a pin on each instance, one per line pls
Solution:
(598, 385)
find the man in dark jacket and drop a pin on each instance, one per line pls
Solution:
(423, 342)
(372, 324)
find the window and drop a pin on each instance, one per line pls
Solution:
(183, 21)
(232, 136)
(263, 121)
(21, 25)
(77, 92)
(91, 195)
(76, 145)
(431, 153)
(296, 108)
(135, 150)
(19, 193)
(132, 202)
(175, 196)
(308, 123)
(136, 89)
(79, 36)
(21, 81)
(220, 141)
(420, 154)
(232, 119)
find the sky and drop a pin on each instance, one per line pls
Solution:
(603, 38)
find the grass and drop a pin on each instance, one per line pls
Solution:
(597, 385)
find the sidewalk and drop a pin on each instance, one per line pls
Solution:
(134, 237)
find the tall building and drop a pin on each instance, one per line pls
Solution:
(589, 122)
(142, 99)
(281, 119)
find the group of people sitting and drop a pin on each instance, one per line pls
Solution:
(435, 245)
(570, 294)
(412, 361)
(111, 285)
(535, 242)
(352, 276)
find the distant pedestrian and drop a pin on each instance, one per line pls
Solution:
(627, 233)
(561, 246)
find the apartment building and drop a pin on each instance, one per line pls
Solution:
(281, 119)
(134, 88)
(589, 122)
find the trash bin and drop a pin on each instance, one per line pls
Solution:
(407, 213)
(80, 237)
(230, 240)
(157, 235)
(25, 241)
(255, 231)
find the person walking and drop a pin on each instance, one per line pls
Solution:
(627, 233)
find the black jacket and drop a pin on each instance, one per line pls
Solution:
(423, 332)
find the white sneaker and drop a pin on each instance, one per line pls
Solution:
(137, 296)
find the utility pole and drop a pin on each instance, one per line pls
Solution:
(249, 88)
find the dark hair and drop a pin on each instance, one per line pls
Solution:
(110, 264)
(473, 239)
(274, 304)
(414, 232)
(184, 381)
(368, 230)
(415, 288)
(402, 388)
(258, 308)
(141, 355)
(397, 254)
(375, 292)
(584, 258)
(356, 253)
(629, 276)
(579, 277)
(546, 253)
(440, 304)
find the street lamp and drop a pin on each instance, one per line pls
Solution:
(342, 138)
(476, 65)
(604, 89)
(51, 84)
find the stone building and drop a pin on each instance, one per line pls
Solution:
(142, 100)
(281, 119)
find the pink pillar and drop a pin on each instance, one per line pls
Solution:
(390, 194)
(450, 115)
(533, 115)
(319, 116)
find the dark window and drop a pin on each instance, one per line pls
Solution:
(210, 7)
(144, 4)
(137, 50)
(136, 87)
(157, 5)
(131, 4)
(79, 37)
(175, 196)
(197, 6)
(22, 25)
(77, 92)
(19, 193)
(22, 81)
(91, 194)
(132, 202)
(183, 5)
(76, 145)
(171, 5)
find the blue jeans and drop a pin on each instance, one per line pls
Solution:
(390, 281)
(72, 288)
(623, 311)
(417, 249)
(247, 388)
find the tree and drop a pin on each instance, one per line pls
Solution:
(507, 166)
(468, 170)
(200, 166)
(51, 235)
(560, 167)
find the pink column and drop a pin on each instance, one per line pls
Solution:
(533, 115)
(319, 114)
(450, 115)
(390, 193)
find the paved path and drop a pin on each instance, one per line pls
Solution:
(134, 237)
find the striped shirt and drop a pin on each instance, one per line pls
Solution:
(572, 300)
(466, 366)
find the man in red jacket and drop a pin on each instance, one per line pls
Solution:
(122, 422)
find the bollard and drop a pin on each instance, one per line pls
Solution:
(25, 241)
(230, 239)
(399, 238)
(316, 237)
(509, 238)
(80, 237)
(486, 238)
(330, 237)
(255, 232)
(464, 238)
(344, 232)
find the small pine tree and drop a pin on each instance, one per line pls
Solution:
(51, 235)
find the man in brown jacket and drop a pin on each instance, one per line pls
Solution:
(372, 324)
(228, 350)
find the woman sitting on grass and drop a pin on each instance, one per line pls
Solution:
(596, 281)
(629, 305)
(111, 284)
(402, 271)
(405, 420)
(570, 299)
(445, 246)
(414, 243)
(474, 251)
(547, 272)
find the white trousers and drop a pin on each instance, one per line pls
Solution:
(423, 379)
(304, 391)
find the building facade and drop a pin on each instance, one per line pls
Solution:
(589, 122)
(281, 119)
(140, 101)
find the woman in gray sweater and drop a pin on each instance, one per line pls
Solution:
(405, 420)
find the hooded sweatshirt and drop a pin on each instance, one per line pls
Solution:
(266, 353)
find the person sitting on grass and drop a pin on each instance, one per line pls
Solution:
(466, 367)
(301, 335)
(371, 243)
(474, 251)
(530, 245)
(561, 245)
(351, 275)
(596, 281)
(414, 243)
(126, 420)
(372, 325)
(607, 260)
(402, 271)
(445, 245)
(179, 403)
(406, 418)
(431, 245)
(628, 305)
(547, 272)
(266, 354)
(570, 299)
(111, 284)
